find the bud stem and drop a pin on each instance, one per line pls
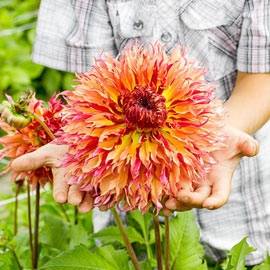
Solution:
(30, 224)
(44, 126)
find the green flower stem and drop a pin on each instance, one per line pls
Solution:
(167, 243)
(64, 212)
(48, 131)
(30, 224)
(16, 209)
(75, 215)
(158, 243)
(17, 259)
(36, 226)
(126, 240)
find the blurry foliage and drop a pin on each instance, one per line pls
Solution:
(18, 73)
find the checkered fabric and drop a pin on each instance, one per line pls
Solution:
(225, 36)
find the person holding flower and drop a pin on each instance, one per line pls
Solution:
(231, 39)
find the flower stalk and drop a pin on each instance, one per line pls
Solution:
(75, 215)
(36, 226)
(126, 240)
(16, 209)
(30, 224)
(167, 243)
(64, 212)
(158, 243)
(45, 127)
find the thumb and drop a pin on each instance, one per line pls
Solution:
(48, 155)
(248, 146)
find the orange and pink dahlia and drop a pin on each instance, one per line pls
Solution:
(140, 128)
(25, 136)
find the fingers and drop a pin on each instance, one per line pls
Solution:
(166, 211)
(248, 146)
(60, 186)
(75, 196)
(176, 205)
(87, 204)
(220, 191)
(187, 200)
(48, 155)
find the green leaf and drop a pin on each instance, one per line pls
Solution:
(118, 258)
(23, 248)
(80, 258)
(146, 265)
(51, 81)
(78, 236)
(153, 237)
(185, 250)
(112, 233)
(54, 232)
(144, 221)
(265, 264)
(237, 255)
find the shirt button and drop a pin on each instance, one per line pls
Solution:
(166, 37)
(138, 25)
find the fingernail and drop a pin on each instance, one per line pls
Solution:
(60, 197)
(254, 147)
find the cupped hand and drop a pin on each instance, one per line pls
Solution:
(50, 155)
(214, 192)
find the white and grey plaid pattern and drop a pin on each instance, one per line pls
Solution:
(225, 36)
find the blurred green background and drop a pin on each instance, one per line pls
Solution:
(18, 73)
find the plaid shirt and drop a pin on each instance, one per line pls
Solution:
(225, 36)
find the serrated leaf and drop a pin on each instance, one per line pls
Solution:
(185, 250)
(237, 255)
(54, 232)
(118, 258)
(80, 258)
(78, 236)
(112, 233)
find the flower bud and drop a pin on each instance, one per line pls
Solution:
(10, 114)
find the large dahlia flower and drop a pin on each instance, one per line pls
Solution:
(25, 134)
(141, 128)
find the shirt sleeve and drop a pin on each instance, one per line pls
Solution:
(70, 34)
(253, 55)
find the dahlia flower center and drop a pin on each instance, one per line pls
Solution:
(144, 108)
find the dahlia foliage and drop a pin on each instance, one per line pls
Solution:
(25, 134)
(140, 128)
